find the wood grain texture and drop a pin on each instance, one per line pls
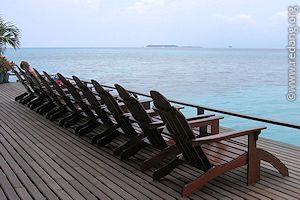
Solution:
(43, 160)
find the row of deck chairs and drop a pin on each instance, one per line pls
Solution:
(86, 106)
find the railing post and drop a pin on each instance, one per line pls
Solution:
(202, 130)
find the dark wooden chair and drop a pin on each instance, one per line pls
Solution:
(120, 116)
(43, 99)
(209, 153)
(54, 101)
(150, 129)
(28, 94)
(36, 95)
(69, 106)
(150, 124)
(106, 123)
(76, 117)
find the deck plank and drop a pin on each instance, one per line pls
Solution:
(40, 160)
(7, 187)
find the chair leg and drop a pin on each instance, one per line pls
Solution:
(73, 121)
(69, 117)
(132, 141)
(27, 99)
(274, 161)
(166, 169)
(83, 125)
(87, 127)
(105, 133)
(253, 168)
(107, 139)
(54, 114)
(36, 103)
(46, 108)
(58, 114)
(211, 173)
(151, 162)
(127, 153)
(20, 97)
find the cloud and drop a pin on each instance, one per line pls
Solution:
(90, 4)
(143, 6)
(238, 18)
(280, 15)
(164, 6)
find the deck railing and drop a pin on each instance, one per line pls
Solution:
(201, 109)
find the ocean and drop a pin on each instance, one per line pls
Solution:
(248, 81)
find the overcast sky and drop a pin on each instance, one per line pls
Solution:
(130, 23)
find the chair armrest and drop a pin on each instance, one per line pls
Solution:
(148, 100)
(146, 103)
(130, 117)
(223, 136)
(200, 117)
(179, 107)
(156, 124)
(204, 122)
(127, 114)
(152, 113)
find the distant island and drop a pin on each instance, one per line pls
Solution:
(161, 45)
(170, 45)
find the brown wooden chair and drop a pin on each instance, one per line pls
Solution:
(150, 132)
(36, 95)
(107, 124)
(69, 106)
(55, 101)
(43, 99)
(29, 93)
(119, 115)
(83, 111)
(151, 127)
(209, 153)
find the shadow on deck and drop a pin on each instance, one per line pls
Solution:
(39, 159)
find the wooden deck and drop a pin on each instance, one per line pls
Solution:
(41, 160)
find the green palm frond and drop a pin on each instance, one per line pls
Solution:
(9, 35)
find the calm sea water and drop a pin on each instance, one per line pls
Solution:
(249, 81)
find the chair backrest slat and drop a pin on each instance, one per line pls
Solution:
(114, 108)
(181, 131)
(24, 82)
(140, 114)
(60, 91)
(95, 104)
(48, 87)
(75, 94)
(37, 85)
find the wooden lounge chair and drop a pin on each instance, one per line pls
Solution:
(208, 153)
(36, 94)
(77, 98)
(150, 124)
(43, 99)
(29, 94)
(121, 118)
(69, 106)
(56, 101)
(151, 130)
(106, 124)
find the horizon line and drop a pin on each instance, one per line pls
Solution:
(188, 47)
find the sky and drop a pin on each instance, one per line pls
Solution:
(137, 23)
